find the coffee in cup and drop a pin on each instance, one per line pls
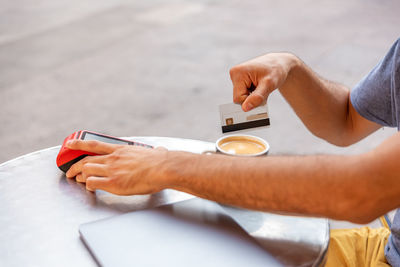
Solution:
(242, 145)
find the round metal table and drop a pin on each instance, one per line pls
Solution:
(41, 211)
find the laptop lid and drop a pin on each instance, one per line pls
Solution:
(194, 233)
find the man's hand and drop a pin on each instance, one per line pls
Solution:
(119, 169)
(266, 73)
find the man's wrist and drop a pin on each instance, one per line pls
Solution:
(293, 62)
(296, 71)
(174, 168)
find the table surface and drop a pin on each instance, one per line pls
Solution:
(41, 211)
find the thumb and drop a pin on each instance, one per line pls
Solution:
(257, 97)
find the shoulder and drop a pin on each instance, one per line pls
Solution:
(377, 96)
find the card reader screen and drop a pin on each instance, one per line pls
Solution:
(105, 139)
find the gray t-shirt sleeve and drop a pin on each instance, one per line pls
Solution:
(377, 96)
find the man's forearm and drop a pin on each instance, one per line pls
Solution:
(328, 186)
(323, 106)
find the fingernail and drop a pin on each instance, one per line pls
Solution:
(89, 189)
(249, 106)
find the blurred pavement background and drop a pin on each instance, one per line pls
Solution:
(160, 68)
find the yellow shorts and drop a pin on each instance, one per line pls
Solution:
(357, 247)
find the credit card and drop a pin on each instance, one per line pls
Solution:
(233, 118)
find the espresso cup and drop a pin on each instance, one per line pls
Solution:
(242, 145)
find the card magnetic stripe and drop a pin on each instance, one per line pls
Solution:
(245, 125)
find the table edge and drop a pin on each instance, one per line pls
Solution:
(54, 147)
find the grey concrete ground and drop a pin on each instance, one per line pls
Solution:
(160, 68)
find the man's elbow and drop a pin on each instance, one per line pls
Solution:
(342, 142)
(375, 187)
(362, 210)
(363, 218)
(335, 139)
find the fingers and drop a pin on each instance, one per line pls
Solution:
(257, 97)
(94, 182)
(265, 72)
(240, 92)
(92, 146)
(77, 167)
(79, 178)
(92, 169)
(95, 177)
(240, 84)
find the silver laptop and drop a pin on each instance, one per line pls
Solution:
(194, 233)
